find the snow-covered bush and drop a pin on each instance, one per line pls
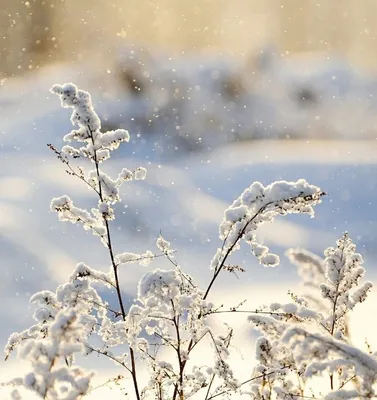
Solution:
(309, 336)
(171, 312)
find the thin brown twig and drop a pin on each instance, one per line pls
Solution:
(111, 380)
(65, 161)
(248, 381)
(106, 354)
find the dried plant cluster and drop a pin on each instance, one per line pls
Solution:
(304, 338)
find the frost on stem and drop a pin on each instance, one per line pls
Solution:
(315, 326)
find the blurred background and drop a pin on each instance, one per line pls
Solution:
(216, 94)
(208, 71)
(36, 32)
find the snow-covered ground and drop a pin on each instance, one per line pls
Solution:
(184, 195)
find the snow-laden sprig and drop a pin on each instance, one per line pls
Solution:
(337, 280)
(310, 267)
(108, 187)
(165, 247)
(94, 221)
(258, 205)
(275, 376)
(279, 374)
(97, 149)
(255, 206)
(79, 295)
(98, 145)
(322, 312)
(321, 353)
(168, 308)
(167, 294)
(312, 272)
(52, 377)
(129, 258)
(171, 309)
(342, 288)
(94, 316)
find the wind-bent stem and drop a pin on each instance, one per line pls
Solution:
(231, 248)
(114, 265)
(240, 235)
(247, 381)
(104, 353)
(111, 380)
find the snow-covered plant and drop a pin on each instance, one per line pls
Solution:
(53, 376)
(79, 298)
(309, 336)
(169, 318)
